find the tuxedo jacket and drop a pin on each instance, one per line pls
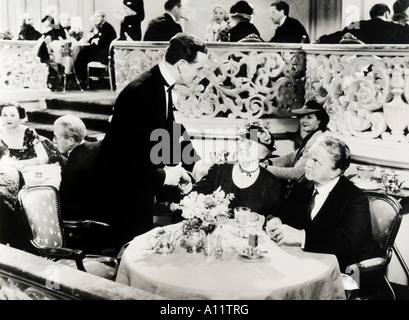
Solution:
(132, 24)
(162, 28)
(78, 183)
(106, 34)
(125, 162)
(374, 31)
(341, 227)
(291, 31)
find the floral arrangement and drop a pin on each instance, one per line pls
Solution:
(205, 211)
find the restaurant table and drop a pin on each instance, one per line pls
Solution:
(283, 273)
(375, 185)
(49, 174)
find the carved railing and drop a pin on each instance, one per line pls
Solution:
(364, 89)
(240, 81)
(20, 67)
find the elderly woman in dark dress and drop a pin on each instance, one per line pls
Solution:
(252, 185)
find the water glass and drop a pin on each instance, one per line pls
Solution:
(241, 216)
(365, 173)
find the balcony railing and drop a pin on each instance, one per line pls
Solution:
(364, 88)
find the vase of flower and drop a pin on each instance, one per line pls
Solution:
(193, 236)
(202, 213)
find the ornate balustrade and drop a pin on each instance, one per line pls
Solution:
(22, 75)
(365, 90)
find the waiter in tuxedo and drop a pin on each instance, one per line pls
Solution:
(326, 212)
(131, 24)
(135, 160)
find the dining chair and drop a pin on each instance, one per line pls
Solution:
(107, 69)
(386, 217)
(104, 70)
(40, 208)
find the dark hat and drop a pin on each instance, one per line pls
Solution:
(258, 133)
(241, 7)
(316, 108)
(311, 106)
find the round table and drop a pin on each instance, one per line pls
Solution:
(284, 273)
(49, 174)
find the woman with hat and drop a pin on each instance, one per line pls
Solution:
(252, 185)
(241, 27)
(313, 123)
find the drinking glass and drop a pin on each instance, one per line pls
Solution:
(241, 216)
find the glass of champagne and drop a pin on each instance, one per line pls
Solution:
(241, 216)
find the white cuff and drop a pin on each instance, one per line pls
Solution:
(303, 239)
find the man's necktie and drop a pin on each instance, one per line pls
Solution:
(170, 117)
(312, 203)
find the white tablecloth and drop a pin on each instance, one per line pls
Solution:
(283, 273)
(42, 174)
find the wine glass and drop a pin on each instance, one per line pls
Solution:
(241, 216)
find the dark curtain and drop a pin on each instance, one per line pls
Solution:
(325, 17)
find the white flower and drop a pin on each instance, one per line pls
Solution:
(205, 207)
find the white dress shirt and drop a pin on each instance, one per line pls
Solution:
(322, 195)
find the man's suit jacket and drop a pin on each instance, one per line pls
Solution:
(132, 24)
(125, 162)
(291, 31)
(78, 183)
(342, 226)
(163, 28)
(106, 34)
(374, 31)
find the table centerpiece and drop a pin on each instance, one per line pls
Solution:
(202, 215)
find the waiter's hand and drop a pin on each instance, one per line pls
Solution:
(175, 174)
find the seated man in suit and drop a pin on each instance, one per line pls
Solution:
(325, 212)
(378, 30)
(164, 27)
(100, 43)
(77, 188)
(77, 174)
(289, 30)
